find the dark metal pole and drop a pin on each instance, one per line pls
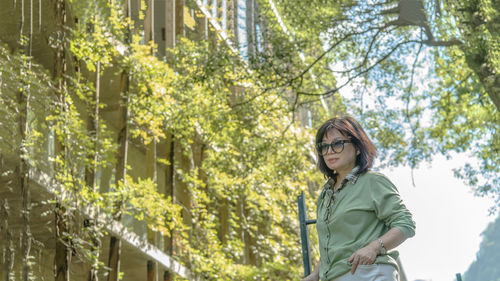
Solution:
(304, 234)
(459, 277)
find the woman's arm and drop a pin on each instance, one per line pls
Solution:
(314, 276)
(367, 255)
(389, 208)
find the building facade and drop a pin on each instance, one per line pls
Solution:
(82, 143)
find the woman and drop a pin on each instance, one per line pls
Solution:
(360, 213)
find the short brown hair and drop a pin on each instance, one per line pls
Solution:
(349, 127)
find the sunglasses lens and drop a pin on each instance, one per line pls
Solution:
(320, 147)
(324, 148)
(338, 146)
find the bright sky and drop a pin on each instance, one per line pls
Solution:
(449, 218)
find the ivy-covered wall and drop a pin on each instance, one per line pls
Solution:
(142, 113)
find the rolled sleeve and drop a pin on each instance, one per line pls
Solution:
(389, 207)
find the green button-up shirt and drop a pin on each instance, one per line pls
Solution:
(364, 208)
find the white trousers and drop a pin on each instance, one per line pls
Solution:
(372, 272)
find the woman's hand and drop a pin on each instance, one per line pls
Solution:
(364, 256)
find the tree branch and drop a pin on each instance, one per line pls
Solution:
(330, 92)
(452, 42)
(365, 58)
(330, 49)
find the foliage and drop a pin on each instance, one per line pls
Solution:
(243, 114)
(485, 267)
(250, 161)
(256, 160)
(478, 24)
(145, 203)
(22, 102)
(18, 76)
(434, 99)
(467, 121)
(470, 83)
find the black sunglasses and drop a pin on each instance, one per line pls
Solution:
(337, 146)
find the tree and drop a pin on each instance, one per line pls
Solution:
(433, 76)
(231, 135)
(478, 23)
(485, 267)
(229, 129)
(476, 88)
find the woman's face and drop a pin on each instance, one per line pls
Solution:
(344, 161)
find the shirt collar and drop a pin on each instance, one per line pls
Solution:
(352, 177)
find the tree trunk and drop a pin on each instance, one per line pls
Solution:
(115, 248)
(169, 191)
(8, 239)
(24, 185)
(223, 220)
(63, 252)
(248, 252)
(90, 174)
(23, 169)
(151, 173)
(487, 75)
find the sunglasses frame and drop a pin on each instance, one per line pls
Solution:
(320, 146)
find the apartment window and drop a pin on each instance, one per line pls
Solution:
(214, 9)
(259, 38)
(224, 17)
(242, 28)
